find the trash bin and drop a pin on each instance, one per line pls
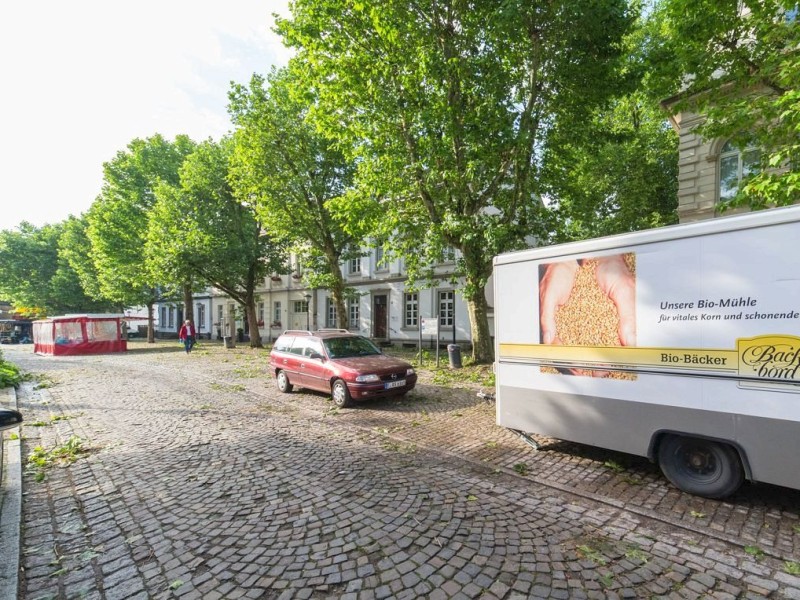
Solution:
(240, 335)
(228, 341)
(454, 354)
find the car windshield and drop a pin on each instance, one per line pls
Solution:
(346, 347)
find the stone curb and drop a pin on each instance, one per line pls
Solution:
(10, 503)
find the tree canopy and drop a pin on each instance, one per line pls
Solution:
(738, 63)
(300, 181)
(200, 227)
(118, 221)
(34, 274)
(446, 105)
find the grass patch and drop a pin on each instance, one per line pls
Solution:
(521, 468)
(755, 552)
(41, 459)
(792, 567)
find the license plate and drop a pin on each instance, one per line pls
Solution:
(394, 384)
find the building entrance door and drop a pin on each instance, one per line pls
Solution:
(379, 316)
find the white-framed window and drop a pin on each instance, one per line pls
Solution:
(163, 319)
(171, 317)
(735, 165)
(354, 312)
(260, 312)
(447, 309)
(380, 260)
(411, 310)
(276, 312)
(201, 316)
(299, 306)
(330, 313)
(448, 255)
(354, 266)
(219, 315)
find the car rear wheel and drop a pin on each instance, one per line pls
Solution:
(283, 382)
(701, 467)
(340, 394)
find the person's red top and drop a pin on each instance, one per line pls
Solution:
(186, 330)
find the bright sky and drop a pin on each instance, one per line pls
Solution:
(81, 79)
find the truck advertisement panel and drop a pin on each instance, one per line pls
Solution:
(635, 341)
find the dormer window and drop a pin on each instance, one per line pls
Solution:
(734, 166)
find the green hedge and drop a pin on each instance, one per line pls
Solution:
(9, 373)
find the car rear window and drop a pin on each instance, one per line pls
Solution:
(283, 343)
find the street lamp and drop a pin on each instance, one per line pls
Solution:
(308, 312)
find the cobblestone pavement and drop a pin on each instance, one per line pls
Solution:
(195, 478)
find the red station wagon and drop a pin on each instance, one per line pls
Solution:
(343, 364)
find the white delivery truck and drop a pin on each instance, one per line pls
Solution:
(681, 344)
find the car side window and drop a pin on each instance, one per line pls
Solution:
(283, 343)
(298, 346)
(313, 346)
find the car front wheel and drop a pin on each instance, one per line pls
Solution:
(340, 394)
(283, 382)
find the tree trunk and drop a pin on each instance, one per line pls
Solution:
(482, 347)
(252, 322)
(151, 326)
(337, 293)
(478, 269)
(188, 303)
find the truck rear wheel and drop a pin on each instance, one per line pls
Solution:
(701, 467)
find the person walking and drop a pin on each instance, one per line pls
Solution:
(187, 335)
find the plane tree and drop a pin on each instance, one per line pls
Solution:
(737, 63)
(200, 228)
(300, 181)
(117, 222)
(447, 105)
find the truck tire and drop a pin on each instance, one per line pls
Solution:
(340, 394)
(701, 467)
(283, 382)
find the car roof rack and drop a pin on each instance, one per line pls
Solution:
(334, 330)
(297, 332)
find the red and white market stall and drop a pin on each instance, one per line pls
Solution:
(79, 334)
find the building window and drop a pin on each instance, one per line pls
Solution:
(261, 312)
(219, 316)
(276, 313)
(735, 165)
(171, 317)
(380, 260)
(163, 320)
(353, 311)
(330, 313)
(355, 266)
(201, 316)
(446, 309)
(448, 255)
(410, 310)
(300, 306)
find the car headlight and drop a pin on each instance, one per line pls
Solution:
(367, 378)
(409, 372)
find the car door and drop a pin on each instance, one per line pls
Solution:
(288, 359)
(314, 368)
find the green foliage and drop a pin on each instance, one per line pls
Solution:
(739, 66)
(300, 180)
(446, 106)
(117, 222)
(9, 374)
(33, 273)
(199, 228)
(40, 459)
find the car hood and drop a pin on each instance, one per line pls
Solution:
(376, 363)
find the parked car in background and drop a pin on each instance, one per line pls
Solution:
(348, 366)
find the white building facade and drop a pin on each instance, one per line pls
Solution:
(383, 308)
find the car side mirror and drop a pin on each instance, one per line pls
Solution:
(9, 418)
(316, 355)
